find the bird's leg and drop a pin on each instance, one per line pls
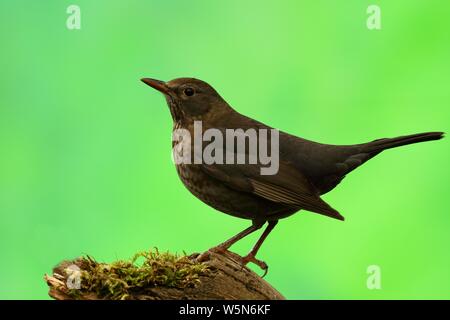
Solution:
(250, 257)
(224, 246)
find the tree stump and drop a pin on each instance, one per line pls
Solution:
(223, 278)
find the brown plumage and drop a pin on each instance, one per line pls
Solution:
(307, 169)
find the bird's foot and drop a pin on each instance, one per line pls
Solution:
(217, 249)
(243, 261)
(251, 258)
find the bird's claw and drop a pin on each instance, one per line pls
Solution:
(251, 258)
(242, 260)
(219, 249)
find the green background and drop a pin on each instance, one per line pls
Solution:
(85, 163)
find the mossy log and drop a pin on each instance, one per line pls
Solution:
(160, 276)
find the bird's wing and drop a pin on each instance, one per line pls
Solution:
(288, 186)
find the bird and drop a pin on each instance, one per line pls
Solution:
(306, 169)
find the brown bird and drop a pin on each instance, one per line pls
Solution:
(306, 170)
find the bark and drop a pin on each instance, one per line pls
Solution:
(227, 280)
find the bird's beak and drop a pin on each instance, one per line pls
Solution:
(157, 84)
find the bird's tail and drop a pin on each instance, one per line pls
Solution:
(388, 143)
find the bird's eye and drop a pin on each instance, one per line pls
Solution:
(189, 92)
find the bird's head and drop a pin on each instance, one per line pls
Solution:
(189, 98)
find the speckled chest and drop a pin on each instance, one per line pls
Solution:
(196, 181)
(204, 187)
(221, 197)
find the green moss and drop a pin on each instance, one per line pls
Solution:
(146, 270)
